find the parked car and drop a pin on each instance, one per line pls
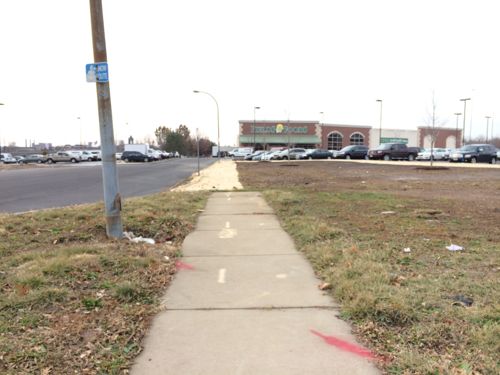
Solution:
(271, 155)
(254, 154)
(394, 151)
(87, 156)
(9, 160)
(64, 156)
(474, 153)
(4, 155)
(437, 154)
(290, 153)
(352, 152)
(96, 155)
(128, 156)
(35, 158)
(317, 154)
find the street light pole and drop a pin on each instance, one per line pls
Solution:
(198, 149)
(487, 126)
(458, 114)
(463, 128)
(254, 108)
(380, 125)
(1, 137)
(218, 130)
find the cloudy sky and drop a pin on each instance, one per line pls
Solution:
(293, 58)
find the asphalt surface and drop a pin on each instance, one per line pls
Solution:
(66, 184)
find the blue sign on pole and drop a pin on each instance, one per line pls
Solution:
(97, 72)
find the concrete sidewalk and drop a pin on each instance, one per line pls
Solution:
(246, 302)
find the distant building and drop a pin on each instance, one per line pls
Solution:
(313, 134)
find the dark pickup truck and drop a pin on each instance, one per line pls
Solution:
(394, 151)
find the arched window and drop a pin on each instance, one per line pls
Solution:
(334, 141)
(357, 139)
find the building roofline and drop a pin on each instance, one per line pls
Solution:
(302, 122)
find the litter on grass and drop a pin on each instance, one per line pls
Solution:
(453, 247)
(406, 250)
(130, 236)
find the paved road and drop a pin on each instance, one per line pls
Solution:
(66, 184)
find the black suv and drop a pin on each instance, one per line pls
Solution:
(352, 152)
(135, 156)
(475, 153)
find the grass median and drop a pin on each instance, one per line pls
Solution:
(73, 301)
(422, 308)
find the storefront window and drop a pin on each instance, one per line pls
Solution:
(334, 141)
(357, 139)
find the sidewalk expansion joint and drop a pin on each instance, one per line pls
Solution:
(262, 308)
(237, 214)
(239, 255)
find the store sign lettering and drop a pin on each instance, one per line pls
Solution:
(280, 129)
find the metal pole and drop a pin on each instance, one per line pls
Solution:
(463, 128)
(492, 134)
(1, 137)
(198, 150)
(380, 124)
(487, 127)
(456, 130)
(112, 198)
(254, 108)
(218, 129)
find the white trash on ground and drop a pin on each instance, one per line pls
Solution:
(130, 236)
(453, 247)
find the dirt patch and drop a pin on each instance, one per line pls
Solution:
(478, 185)
(410, 254)
(222, 175)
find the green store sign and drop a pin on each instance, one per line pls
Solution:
(394, 140)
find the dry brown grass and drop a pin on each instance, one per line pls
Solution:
(404, 305)
(73, 301)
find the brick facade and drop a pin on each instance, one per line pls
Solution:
(346, 132)
(444, 137)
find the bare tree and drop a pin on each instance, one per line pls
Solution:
(434, 124)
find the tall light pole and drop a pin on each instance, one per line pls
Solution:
(458, 114)
(492, 134)
(218, 130)
(254, 109)
(1, 137)
(80, 124)
(463, 128)
(380, 124)
(198, 149)
(487, 126)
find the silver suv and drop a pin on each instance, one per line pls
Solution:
(64, 156)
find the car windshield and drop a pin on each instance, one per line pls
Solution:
(384, 146)
(347, 148)
(468, 148)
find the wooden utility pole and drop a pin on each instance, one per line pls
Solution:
(112, 198)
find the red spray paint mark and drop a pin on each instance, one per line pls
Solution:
(183, 266)
(344, 345)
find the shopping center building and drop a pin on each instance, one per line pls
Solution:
(313, 134)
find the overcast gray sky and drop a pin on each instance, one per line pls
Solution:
(293, 58)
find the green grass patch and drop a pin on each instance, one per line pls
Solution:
(74, 301)
(403, 304)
